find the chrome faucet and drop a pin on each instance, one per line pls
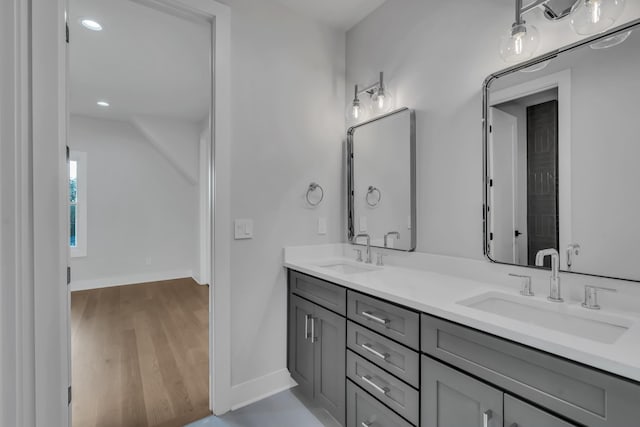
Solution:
(554, 281)
(391, 233)
(368, 260)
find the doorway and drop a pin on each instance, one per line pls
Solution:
(524, 151)
(140, 213)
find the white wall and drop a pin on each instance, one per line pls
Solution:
(287, 131)
(142, 213)
(435, 55)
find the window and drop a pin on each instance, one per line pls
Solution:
(78, 203)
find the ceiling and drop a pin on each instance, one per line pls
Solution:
(144, 61)
(341, 14)
(147, 61)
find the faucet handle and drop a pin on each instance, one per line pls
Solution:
(591, 296)
(379, 256)
(526, 285)
(358, 254)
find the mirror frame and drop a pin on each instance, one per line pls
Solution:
(412, 176)
(635, 25)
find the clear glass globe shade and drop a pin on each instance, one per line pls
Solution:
(595, 16)
(520, 45)
(381, 102)
(355, 112)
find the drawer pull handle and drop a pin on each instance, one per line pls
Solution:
(367, 379)
(375, 352)
(365, 424)
(377, 319)
(486, 417)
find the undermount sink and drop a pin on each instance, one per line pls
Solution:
(596, 326)
(348, 268)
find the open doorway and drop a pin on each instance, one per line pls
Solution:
(525, 174)
(140, 213)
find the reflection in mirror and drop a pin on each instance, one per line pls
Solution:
(561, 159)
(382, 181)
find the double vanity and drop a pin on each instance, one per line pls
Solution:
(431, 341)
(399, 346)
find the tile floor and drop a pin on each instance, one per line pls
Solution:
(285, 409)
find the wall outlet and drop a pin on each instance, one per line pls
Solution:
(322, 226)
(362, 224)
(243, 229)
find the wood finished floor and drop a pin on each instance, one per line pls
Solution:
(139, 355)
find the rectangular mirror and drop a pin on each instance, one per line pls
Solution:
(382, 181)
(561, 158)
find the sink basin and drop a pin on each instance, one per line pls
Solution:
(596, 326)
(348, 268)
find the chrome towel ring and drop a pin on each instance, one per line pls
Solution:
(373, 196)
(312, 188)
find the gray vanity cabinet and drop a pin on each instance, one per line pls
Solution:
(316, 353)
(520, 414)
(452, 399)
(330, 364)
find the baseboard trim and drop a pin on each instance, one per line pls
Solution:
(108, 282)
(260, 388)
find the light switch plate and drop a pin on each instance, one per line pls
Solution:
(243, 229)
(362, 224)
(322, 226)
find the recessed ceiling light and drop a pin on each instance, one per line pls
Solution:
(90, 24)
(103, 103)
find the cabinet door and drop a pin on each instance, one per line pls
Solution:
(520, 414)
(301, 357)
(452, 399)
(330, 361)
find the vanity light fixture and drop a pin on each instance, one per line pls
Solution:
(522, 40)
(90, 24)
(587, 17)
(381, 100)
(354, 112)
(595, 16)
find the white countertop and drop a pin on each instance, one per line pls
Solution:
(437, 293)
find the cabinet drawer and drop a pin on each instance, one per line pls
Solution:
(325, 294)
(389, 355)
(520, 414)
(397, 395)
(588, 396)
(390, 320)
(363, 410)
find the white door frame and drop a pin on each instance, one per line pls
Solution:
(514, 204)
(48, 95)
(562, 81)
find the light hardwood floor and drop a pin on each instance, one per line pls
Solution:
(139, 355)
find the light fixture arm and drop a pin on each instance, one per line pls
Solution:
(521, 10)
(371, 89)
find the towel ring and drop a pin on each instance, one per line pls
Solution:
(312, 188)
(373, 202)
